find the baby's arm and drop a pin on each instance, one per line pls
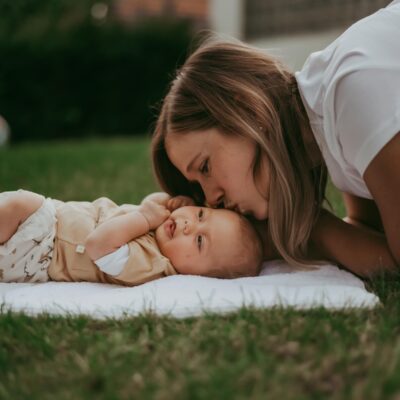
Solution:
(115, 232)
(360, 250)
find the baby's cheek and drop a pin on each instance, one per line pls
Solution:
(185, 259)
(184, 263)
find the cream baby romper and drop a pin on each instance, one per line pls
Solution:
(26, 256)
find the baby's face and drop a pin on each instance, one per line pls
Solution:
(197, 239)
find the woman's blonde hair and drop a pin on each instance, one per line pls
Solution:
(243, 91)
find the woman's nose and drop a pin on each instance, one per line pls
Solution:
(214, 195)
(215, 201)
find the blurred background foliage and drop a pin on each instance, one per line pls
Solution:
(69, 69)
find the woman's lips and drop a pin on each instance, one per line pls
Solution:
(237, 209)
(241, 210)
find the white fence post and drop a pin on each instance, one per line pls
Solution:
(227, 17)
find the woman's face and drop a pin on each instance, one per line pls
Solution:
(223, 166)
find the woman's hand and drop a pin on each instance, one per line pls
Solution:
(154, 213)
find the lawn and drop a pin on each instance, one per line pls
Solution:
(252, 354)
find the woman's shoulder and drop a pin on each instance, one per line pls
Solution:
(371, 43)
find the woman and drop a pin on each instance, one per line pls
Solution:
(239, 130)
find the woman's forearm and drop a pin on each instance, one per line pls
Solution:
(361, 251)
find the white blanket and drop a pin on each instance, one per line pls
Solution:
(184, 296)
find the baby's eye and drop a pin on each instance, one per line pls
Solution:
(201, 213)
(199, 241)
(204, 168)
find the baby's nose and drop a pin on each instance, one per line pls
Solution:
(187, 227)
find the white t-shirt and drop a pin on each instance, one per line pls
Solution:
(351, 91)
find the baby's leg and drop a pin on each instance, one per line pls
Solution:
(14, 210)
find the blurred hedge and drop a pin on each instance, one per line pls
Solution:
(64, 74)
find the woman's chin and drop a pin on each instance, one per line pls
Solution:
(261, 214)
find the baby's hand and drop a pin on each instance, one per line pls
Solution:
(154, 213)
(179, 201)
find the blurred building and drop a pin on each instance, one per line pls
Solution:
(197, 11)
(275, 17)
(250, 19)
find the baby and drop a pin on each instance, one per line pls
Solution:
(46, 239)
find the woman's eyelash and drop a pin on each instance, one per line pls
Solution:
(204, 169)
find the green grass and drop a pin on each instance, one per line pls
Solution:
(75, 170)
(252, 354)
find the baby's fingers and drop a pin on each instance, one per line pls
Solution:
(173, 203)
(163, 212)
(186, 201)
(166, 212)
(179, 201)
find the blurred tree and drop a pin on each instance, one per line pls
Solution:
(66, 73)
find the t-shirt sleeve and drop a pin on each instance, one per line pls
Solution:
(367, 114)
(136, 262)
(113, 263)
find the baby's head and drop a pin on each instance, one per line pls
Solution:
(210, 242)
